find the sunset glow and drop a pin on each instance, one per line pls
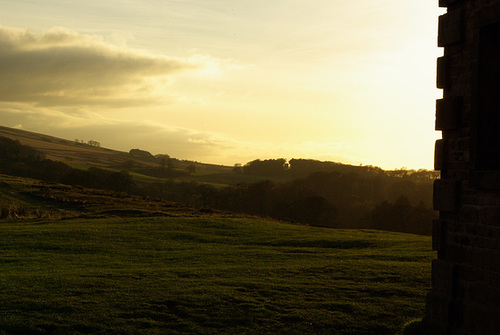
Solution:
(227, 82)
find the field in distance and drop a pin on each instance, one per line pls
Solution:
(82, 156)
(207, 274)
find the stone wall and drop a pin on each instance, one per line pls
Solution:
(465, 298)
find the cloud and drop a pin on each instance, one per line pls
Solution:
(159, 138)
(70, 123)
(59, 67)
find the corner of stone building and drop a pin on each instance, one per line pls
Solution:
(465, 295)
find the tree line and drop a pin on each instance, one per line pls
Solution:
(335, 195)
(21, 160)
(331, 199)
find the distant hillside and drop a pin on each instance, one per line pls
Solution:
(84, 155)
(66, 151)
(303, 191)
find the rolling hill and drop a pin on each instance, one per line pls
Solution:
(305, 191)
(84, 155)
(77, 260)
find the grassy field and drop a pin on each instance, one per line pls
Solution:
(210, 274)
(83, 156)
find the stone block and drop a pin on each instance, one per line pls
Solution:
(491, 216)
(458, 149)
(492, 279)
(479, 319)
(446, 3)
(488, 180)
(456, 316)
(443, 277)
(438, 235)
(436, 311)
(470, 273)
(442, 72)
(450, 28)
(455, 252)
(446, 194)
(439, 155)
(478, 292)
(470, 215)
(494, 298)
(448, 113)
(491, 260)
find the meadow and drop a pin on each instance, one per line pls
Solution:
(197, 273)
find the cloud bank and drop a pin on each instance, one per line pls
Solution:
(66, 84)
(158, 138)
(59, 67)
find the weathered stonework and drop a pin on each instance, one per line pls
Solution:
(465, 298)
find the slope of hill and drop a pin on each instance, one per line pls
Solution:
(310, 192)
(28, 199)
(66, 151)
(76, 260)
(84, 155)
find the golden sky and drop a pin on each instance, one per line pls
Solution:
(227, 82)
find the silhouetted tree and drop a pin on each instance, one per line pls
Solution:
(237, 169)
(314, 210)
(163, 160)
(269, 167)
(94, 143)
(208, 195)
(191, 169)
(141, 154)
(403, 217)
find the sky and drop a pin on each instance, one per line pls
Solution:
(227, 81)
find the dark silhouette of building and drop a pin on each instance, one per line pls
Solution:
(465, 296)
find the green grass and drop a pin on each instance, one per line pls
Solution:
(207, 275)
(232, 179)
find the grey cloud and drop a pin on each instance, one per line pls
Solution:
(61, 67)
